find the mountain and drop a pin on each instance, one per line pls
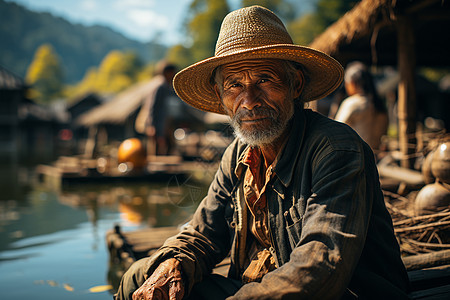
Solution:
(79, 47)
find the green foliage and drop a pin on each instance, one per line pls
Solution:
(45, 74)
(282, 8)
(146, 72)
(434, 74)
(204, 26)
(308, 26)
(205, 16)
(79, 47)
(180, 55)
(87, 84)
(329, 11)
(116, 72)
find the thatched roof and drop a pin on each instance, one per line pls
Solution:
(120, 108)
(10, 81)
(368, 32)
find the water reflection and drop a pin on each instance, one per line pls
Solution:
(45, 232)
(152, 205)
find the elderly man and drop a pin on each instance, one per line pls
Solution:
(296, 201)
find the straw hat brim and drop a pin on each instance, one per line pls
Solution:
(322, 72)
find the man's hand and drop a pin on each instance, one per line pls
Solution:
(164, 284)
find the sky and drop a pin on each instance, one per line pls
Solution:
(139, 20)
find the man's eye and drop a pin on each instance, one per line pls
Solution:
(264, 80)
(235, 85)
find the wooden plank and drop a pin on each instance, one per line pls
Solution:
(138, 243)
(429, 278)
(127, 247)
(437, 293)
(428, 260)
(401, 174)
(145, 240)
(427, 283)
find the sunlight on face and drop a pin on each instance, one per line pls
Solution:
(258, 99)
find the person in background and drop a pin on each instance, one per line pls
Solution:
(296, 201)
(363, 110)
(155, 116)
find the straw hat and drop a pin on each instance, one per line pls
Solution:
(256, 33)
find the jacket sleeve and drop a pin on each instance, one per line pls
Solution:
(332, 232)
(206, 240)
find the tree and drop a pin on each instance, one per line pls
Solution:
(306, 28)
(116, 72)
(180, 56)
(204, 20)
(281, 8)
(45, 74)
(329, 11)
(309, 26)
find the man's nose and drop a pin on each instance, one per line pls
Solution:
(251, 97)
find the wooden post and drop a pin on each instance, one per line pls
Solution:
(90, 143)
(406, 90)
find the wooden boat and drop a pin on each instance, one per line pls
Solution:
(428, 273)
(74, 170)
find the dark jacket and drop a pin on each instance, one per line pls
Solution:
(329, 225)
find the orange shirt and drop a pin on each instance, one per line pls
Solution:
(259, 260)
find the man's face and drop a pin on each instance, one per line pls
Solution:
(258, 98)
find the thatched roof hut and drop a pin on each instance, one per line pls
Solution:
(402, 33)
(370, 32)
(114, 120)
(118, 110)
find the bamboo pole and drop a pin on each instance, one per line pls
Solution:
(406, 90)
(420, 261)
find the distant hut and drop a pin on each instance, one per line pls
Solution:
(82, 104)
(27, 130)
(114, 120)
(400, 33)
(12, 94)
(76, 108)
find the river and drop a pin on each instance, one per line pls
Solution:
(52, 239)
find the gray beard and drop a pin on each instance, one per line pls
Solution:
(261, 135)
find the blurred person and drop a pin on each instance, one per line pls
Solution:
(296, 201)
(157, 114)
(363, 109)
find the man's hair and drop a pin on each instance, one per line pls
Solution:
(291, 68)
(163, 67)
(169, 68)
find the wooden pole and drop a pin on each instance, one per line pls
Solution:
(90, 143)
(406, 90)
(428, 260)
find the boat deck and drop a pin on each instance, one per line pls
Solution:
(429, 273)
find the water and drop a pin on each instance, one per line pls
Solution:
(52, 241)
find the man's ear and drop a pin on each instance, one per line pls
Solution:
(299, 85)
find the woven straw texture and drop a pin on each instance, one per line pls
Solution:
(256, 33)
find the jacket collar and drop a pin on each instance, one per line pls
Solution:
(284, 169)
